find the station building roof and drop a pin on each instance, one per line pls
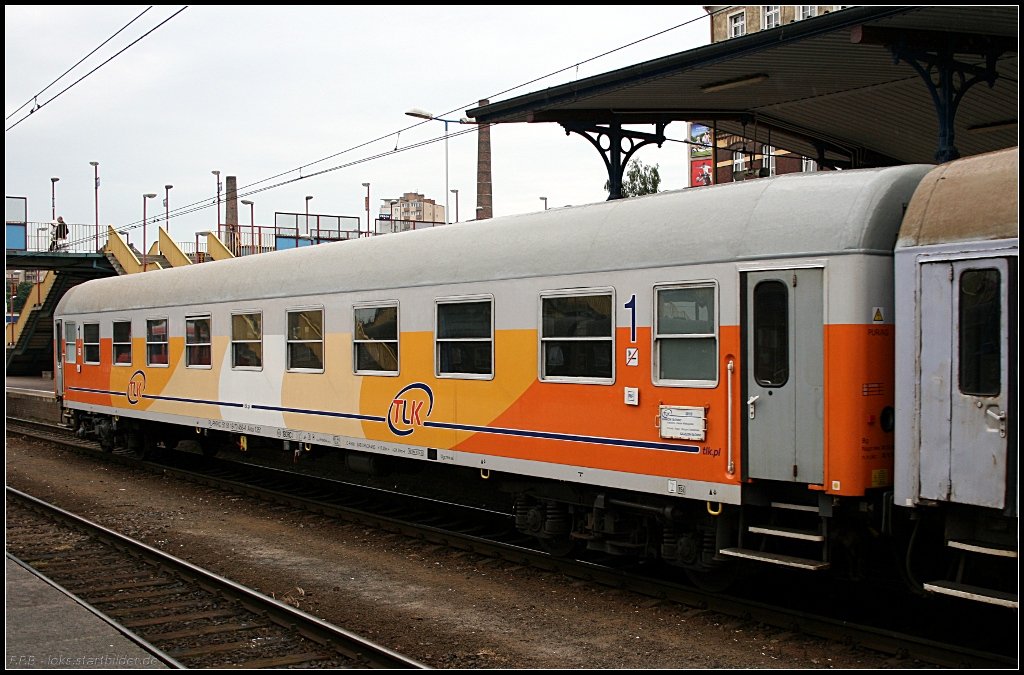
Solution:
(827, 87)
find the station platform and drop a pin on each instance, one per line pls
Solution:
(32, 398)
(46, 628)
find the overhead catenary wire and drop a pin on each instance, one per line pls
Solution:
(65, 89)
(258, 186)
(80, 61)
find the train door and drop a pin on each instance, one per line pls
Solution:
(964, 342)
(784, 326)
(58, 352)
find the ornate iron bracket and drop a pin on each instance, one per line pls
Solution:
(610, 141)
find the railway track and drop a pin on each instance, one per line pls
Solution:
(489, 533)
(188, 617)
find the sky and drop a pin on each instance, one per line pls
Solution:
(308, 100)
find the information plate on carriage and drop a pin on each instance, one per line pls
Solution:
(683, 422)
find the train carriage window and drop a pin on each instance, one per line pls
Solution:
(122, 343)
(69, 341)
(247, 341)
(156, 342)
(91, 343)
(306, 340)
(375, 339)
(197, 342)
(980, 314)
(771, 334)
(464, 338)
(686, 335)
(576, 338)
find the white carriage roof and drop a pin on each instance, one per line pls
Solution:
(802, 214)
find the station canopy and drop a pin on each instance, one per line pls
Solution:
(862, 86)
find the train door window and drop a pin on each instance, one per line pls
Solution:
(306, 340)
(464, 338)
(686, 335)
(197, 342)
(576, 338)
(90, 343)
(771, 334)
(247, 341)
(69, 341)
(375, 339)
(980, 315)
(122, 343)
(156, 342)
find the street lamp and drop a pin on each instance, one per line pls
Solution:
(217, 174)
(167, 209)
(96, 182)
(545, 200)
(148, 195)
(456, 204)
(252, 225)
(308, 197)
(423, 114)
(368, 231)
(53, 196)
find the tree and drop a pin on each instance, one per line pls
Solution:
(19, 298)
(640, 179)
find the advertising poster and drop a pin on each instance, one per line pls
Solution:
(700, 172)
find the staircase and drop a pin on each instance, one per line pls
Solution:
(783, 533)
(974, 556)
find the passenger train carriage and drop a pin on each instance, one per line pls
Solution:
(705, 376)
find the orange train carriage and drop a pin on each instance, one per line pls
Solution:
(705, 376)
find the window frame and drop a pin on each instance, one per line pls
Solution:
(541, 353)
(456, 300)
(806, 12)
(288, 342)
(208, 345)
(739, 161)
(114, 343)
(657, 336)
(94, 345)
(731, 24)
(378, 304)
(235, 341)
(771, 10)
(166, 342)
(768, 159)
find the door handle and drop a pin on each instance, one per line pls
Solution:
(997, 416)
(751, 402)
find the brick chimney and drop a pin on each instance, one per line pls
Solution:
(231, 213)
(484, 203)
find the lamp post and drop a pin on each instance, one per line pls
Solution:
(455, 190)
(53, 197)
(308, 197)
(96, 184)
(545, 200)
(167, 209)
(423, 114)
(252, 225)
(145, 197)
(368, 230)
(217, 174)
